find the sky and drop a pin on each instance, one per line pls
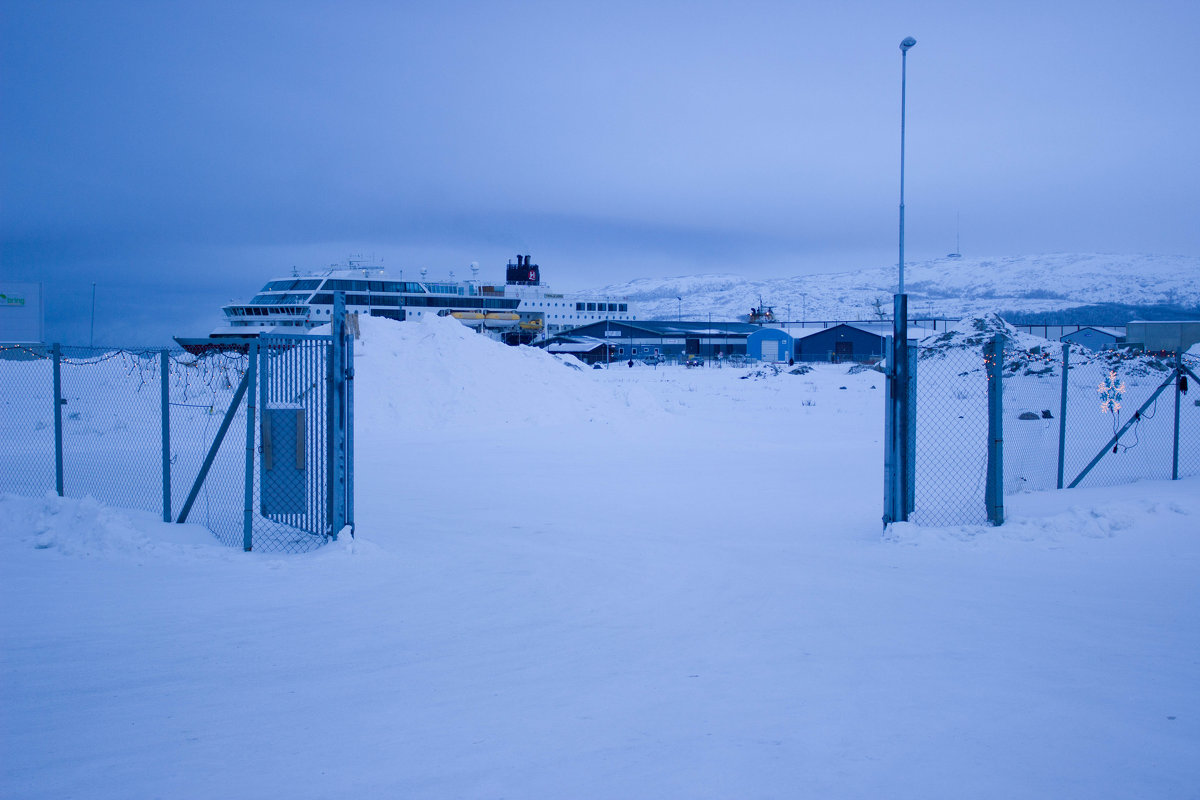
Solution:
(179, 155)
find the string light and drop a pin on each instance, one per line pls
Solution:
(1112, 389)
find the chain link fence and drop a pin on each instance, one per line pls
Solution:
(1063, 417)
(951, 437)
(166, 431)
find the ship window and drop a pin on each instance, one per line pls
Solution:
(579, 306)
(623, 307)
(591, 306)
(346, 286)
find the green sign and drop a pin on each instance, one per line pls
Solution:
(11, 301)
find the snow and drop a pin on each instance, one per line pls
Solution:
(632, 582)
(941, 287)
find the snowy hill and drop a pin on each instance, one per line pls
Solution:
(943, 287)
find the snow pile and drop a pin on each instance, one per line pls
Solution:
(1053, 520)
(83, 528)
(976, 332)
(1030, 355)
(437, 373)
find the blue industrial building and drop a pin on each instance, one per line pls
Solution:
(769, 345)
(847, 342)
(1094, 338)
(655, 339)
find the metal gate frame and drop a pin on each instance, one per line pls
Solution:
(334, 476)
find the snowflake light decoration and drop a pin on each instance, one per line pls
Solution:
(1111, 391)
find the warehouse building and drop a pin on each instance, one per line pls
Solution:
(769, 345)
(1094, 338)
(848, 342)
(656, 339)
(1167, 336)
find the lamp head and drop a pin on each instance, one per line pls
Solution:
(907, 43)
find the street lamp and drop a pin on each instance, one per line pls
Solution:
(905, 46)
(900, 464)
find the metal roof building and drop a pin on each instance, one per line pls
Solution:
(769, 344)
(1094, 338)
(849, 341)
(1163, 335)
(654, 339)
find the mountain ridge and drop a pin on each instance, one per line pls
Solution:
(941, 287)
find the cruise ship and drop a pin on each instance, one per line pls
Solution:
(519, 311)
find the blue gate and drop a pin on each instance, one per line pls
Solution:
(297, 400)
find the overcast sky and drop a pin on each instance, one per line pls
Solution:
(180, 154)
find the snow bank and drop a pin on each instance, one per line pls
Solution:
(975, 332)
(1053, 520)
(437, 373)
(83, 528)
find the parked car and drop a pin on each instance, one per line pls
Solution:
(694, 361)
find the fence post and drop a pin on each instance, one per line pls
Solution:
(337, 452)
(889, 435)
(163, 364)
(251, 405)
(994, 492)
(910, 431)
(350, 434)
(1062, 415)
(56, 350)
(900, 375)
(1175, 449)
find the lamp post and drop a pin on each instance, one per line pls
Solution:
(900, 309)
(901, 413)
(679, 310)
(803, 308)
(905, 46)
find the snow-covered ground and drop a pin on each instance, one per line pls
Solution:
(607, 583)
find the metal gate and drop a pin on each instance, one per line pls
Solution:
(297, 401)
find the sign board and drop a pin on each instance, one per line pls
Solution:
(22, 313)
